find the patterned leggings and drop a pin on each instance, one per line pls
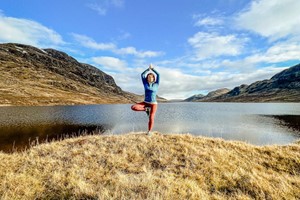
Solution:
(141, 107)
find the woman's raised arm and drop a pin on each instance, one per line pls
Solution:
(143, 75)
(157, 76)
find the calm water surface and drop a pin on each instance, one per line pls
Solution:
(256, 123)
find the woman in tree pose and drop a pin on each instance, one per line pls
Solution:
(149, 104)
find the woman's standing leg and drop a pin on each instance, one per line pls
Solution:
(152, 115)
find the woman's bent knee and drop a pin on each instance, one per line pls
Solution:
(133, 107)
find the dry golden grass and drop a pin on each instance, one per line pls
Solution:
(164, 166)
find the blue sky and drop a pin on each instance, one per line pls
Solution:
(196, 45)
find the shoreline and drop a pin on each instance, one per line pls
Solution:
(34, 143)
(171, 102)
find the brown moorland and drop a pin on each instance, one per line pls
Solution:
(164, 166)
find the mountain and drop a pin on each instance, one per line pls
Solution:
(210, 95)
(195, 97)
(33, 76)
(217, 93)
(282, 87)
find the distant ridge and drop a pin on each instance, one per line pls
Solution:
(195, 97)
(33, 76)
(210, 95)
(282, 87)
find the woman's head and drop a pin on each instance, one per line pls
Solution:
(150, 78)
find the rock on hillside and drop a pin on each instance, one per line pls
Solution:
(33, 76)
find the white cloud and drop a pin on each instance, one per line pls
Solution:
(130, 80)
(279, 52)
(208, 21)
(90, 43)
(208, 45)
(177, 84)
(28, 32)
(272, 18)
(110, 63)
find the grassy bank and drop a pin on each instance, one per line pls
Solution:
(135, 166)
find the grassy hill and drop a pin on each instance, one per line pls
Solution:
(164, 166)
(32, 76)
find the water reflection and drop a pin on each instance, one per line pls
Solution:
(16, 138)
(290, 121)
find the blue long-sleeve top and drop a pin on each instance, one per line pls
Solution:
(150, 88)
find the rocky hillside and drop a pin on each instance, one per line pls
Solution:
(210, 95)
(195, 97)
(32, 76)
(282, 87)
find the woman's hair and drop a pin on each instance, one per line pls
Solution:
(151, 74)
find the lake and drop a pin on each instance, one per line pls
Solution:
(255, 123)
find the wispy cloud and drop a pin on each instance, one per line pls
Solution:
(209, 45)
(28, 32)
(273, 19)
(118, 3)
(90, 43)
(207, 21)
(123, 36)
(102, 6)
(100, 9)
